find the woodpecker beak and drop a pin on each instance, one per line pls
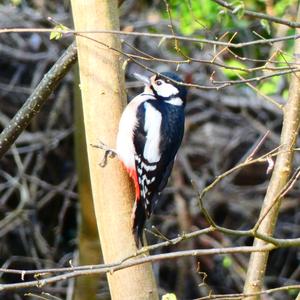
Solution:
(142, 78)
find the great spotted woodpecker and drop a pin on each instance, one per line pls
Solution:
(150, 133)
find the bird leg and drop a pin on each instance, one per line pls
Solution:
(108, 153)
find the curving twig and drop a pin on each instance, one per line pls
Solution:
(108, 153)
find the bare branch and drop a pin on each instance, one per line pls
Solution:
(243, 295)
(132, 262)
(155, 35)
(261, 16)
(279, 181)
(37, 99)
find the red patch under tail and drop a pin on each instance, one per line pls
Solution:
(133, 174)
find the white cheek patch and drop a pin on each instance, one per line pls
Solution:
(166, 90)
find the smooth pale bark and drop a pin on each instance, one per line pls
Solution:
(88, 240)
(281, 173)
(103, 98)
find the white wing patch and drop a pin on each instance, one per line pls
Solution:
(152, 125)
(125, 147)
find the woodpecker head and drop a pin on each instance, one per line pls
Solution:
(164, 86)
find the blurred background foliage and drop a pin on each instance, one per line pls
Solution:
(205, 19)
(198, 15)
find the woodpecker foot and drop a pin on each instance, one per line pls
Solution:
(108, 153)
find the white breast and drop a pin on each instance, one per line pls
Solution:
(128, 122)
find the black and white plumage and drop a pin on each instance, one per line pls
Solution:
(150, 132)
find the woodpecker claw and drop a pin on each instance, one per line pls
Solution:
(108, 153)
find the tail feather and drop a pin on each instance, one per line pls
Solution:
(139, 220)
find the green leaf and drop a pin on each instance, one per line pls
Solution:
(54, 35)
(239, 8)
(285, 95)
(192, 15)
(227, 262)
(169, 296)
(16, 2)
(270, 86)
(280, 6)
(293, 292)
(231, 73)
(266, 25)
(221, 15)
(241, 12)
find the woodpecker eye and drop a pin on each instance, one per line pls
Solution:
(159, 82)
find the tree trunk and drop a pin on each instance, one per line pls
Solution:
(88, 240)
(280, 176)
(103, 97)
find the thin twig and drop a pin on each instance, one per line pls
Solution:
(243, 295)
(155, 35)
(134, 262)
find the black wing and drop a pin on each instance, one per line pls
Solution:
(153, 177)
